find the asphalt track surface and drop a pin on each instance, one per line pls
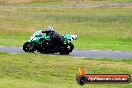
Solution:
(79, 53)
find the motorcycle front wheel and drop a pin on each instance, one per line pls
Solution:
(28, 47)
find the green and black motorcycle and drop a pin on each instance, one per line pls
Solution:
(40, 42)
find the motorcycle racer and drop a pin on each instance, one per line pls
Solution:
(49, 41)
(56, 38)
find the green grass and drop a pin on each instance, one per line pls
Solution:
(74, 2)
(59, 2)
(39, 71)
(98, 28)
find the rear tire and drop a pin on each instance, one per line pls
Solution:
(28, 47)
(66, 50)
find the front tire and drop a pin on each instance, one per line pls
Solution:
(28, 47)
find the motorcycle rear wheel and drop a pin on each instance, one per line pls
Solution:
(66, 50)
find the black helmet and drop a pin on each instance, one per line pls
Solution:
(48, 30)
